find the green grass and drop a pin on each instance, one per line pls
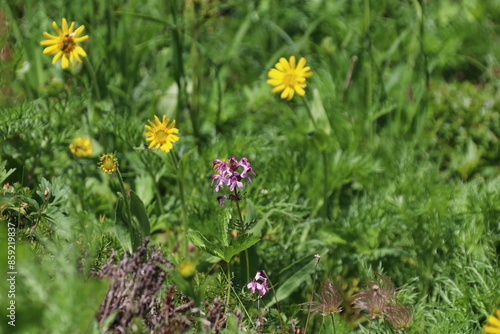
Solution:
(400, 176)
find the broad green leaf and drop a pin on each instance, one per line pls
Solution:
(122, 226)
(296, 278)
(138, 211)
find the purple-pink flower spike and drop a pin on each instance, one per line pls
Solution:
(228, 174)
(261, 287)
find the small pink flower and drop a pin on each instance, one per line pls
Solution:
(261, 287)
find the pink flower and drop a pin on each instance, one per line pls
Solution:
(261, 287)
(228, 174)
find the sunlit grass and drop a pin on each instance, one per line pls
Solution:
(386, 162)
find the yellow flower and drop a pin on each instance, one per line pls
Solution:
(108, 163)
(64, 45)
(493, 326)
(289, 78)
(81, 147)
(161, 134)
(186, 269)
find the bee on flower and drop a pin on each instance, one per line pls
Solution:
(65, 44)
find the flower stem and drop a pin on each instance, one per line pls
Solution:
(228, 285)
(125, 197)
(180, 183)
(242, 222)
(309, 112)
(276, 300)
(312, 292)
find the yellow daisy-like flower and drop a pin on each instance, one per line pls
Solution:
(289, 78)
(161, 134)
(64, 45)
(81, 147)
(493, 326)
(108, 163)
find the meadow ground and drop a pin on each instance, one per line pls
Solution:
(253, 166)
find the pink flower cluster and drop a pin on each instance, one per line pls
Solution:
(261, 287)
(228, 174)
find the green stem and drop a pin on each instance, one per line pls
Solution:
(312, 292)
(333, 323)
(125, 196)
(94, 78)
(180, 183)
(276, 300)
(309, 112)
(228, 285)
(242, 222)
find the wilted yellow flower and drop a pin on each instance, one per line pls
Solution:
(64, 45)
(161, 134)
(493, 326)
(108, 163)
(289, 78)
(81, 147)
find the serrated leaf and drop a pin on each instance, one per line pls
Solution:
(201, 242)
(241, 243)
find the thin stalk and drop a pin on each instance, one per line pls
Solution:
(312, 293)
(94, 78)
(309, 112)
(180, 183)
(333, 323)
(228, 285)
(276, 300)
(125, 196)
(241, 220)
(243, 307)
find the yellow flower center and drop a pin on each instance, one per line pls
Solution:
(67, 44)
(290, 79)
(161, 136)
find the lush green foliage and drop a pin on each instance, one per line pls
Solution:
(390, 163)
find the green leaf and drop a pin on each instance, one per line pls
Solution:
(241, 243)
(201, 242)
(251, 212)
(4, 174)
(319, 113)
(122, 226)
(139, 212)
(293, 282)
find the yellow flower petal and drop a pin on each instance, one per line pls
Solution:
(161, 133)
(491, 330)
(50, 50)
(65, 44)
(64, 62)
(64, 26)
(289, 77)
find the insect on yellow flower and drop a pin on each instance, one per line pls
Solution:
(81, 147)
(493, 326)
(161, 134)
(108, 163)
(289, 78)
(64, 45)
